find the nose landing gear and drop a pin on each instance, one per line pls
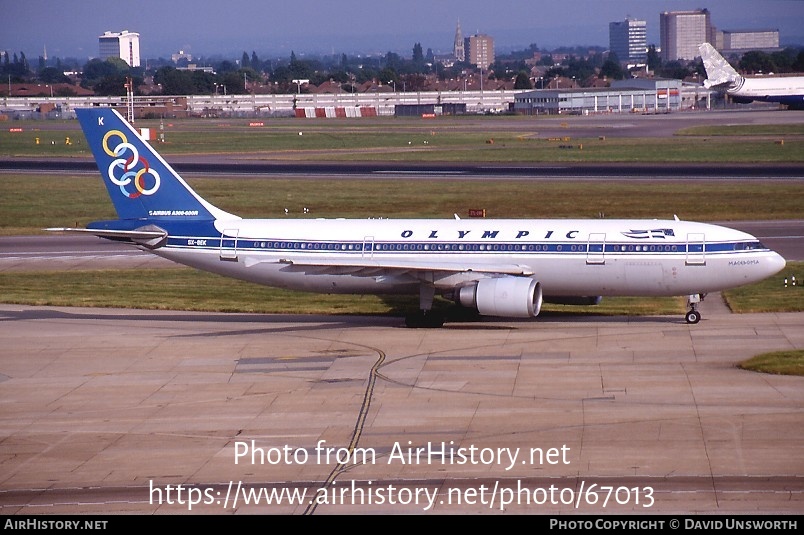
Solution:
(693, 316)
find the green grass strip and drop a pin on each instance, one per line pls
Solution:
(778, 362)
(31, 202)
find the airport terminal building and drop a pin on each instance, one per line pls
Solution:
(635, 95)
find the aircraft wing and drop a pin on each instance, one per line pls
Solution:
(373, 267)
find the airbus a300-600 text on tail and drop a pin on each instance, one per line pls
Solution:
(496, 267)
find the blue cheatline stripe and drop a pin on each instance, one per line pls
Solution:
(248, 244)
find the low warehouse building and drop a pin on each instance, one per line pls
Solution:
(634, 95)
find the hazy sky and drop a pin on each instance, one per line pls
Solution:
(274, 28)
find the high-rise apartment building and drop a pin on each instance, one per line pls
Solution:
(628, 39)
(479, 50)
(124, 45)
(680, 33)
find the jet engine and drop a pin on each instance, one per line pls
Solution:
(512, 297)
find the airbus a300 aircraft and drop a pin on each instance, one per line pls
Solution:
(503, 267)
(721, 76)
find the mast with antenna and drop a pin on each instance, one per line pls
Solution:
(130, 99)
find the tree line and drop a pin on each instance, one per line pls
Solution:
(108, 77)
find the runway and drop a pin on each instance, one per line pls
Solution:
(123, 411)
(613, 126)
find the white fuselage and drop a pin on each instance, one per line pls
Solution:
(760, 88)
(568, 257)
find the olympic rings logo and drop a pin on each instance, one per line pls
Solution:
(127, 164)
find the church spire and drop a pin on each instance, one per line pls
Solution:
(458, 51)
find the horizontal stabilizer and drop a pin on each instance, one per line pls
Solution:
(718, 84)
(147, 238)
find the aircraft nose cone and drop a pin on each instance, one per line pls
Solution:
(775, 264)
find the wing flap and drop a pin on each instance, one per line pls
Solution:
(373, 267)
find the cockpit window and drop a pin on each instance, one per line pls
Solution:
(748, 246)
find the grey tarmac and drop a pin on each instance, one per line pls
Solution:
(109, 411)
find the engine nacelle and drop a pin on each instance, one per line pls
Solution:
(511, 297)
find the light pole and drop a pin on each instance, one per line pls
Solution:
(299, 83)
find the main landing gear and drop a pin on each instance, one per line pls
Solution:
(693, 316)
(425, 317)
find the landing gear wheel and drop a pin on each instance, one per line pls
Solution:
(693, 316)
(424, 319)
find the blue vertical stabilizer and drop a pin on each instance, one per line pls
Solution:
(141, 184)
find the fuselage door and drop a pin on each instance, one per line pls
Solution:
(695, 249)
(368, 247)
(595, 250)
(228, 249)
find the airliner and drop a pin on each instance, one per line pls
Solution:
(721, 76)
(493, 267)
